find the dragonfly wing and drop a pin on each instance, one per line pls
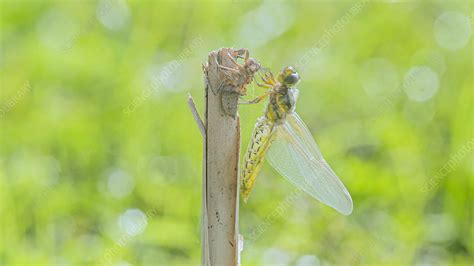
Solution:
(295, 155)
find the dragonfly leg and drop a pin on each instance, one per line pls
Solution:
(269, 76)
(256, 100)
(264, 85)
(266, 80)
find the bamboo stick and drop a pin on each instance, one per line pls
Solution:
(222, 144)
(225, 82)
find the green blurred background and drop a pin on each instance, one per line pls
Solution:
(100, 159)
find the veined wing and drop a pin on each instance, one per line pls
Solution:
(295, 155)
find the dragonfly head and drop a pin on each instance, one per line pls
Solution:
(288, 76)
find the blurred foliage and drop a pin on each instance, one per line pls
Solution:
(97, 167)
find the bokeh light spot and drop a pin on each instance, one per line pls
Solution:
(120, 184)
(420, 83)
(265, 23)
(452, 30)
(114, 15)
(132, 222)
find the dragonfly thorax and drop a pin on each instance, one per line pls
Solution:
(282, 102)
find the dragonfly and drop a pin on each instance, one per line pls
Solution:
(285, 141)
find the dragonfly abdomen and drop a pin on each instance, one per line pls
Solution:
(253, 160)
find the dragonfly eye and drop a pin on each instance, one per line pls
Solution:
(292, 79)
(289, 76)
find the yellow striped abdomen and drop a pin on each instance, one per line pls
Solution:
(253, 160)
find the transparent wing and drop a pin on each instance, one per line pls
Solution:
(295, 155)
